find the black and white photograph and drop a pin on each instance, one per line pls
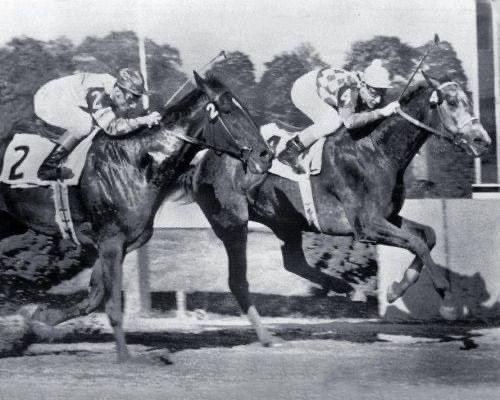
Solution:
(262, 200)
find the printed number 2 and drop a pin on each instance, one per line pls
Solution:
(94, 98)
(18, 175)
(212, 111)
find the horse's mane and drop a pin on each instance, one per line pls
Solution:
(414, 91)
(183, 107)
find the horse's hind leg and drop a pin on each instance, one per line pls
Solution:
(53, 316)
(412, 273)
(294, 260)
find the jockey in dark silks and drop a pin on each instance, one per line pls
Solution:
(81, 102)
(331, 97)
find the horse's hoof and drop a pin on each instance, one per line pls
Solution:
(15, 336)
(393, 292)
(448, 309)
(272, 341)
(156, 358)
(358, 296)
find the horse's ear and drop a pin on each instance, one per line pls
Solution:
(203, 85)
(430, 81)
(200, 82)
(437, 95)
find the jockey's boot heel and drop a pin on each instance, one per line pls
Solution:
(289, 156)
(51, 169)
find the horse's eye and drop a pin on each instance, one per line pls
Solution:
(453, 102)
(225, 103)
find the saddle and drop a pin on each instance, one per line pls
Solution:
(32, 142)
(310, 160)
(36, 126)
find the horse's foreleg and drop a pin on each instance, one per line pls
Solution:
(235, 242)
(383, 232)
(111, 254)
(294, 260)
(412, 273)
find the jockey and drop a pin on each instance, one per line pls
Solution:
(80, 102)
(331, 97)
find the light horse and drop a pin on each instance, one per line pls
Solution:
(359, 192)
(124, 182)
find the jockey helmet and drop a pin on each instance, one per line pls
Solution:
(132, 81)
(377, 76)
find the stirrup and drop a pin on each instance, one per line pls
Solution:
(290, 154)
(55, 174)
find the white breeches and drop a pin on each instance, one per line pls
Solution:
(51, 106)
(324, 117)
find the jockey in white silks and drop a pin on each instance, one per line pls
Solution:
(331, 97)
(78, 103)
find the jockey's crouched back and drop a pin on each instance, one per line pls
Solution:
(332, 97)
(81, 102)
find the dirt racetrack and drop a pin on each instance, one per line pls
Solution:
(317, 359)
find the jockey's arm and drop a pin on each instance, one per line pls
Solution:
(116, 126)
(347, 100)
(353, 120)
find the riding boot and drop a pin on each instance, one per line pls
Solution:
(51, 169)
(290, 154)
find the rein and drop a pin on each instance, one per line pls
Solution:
(217, 149)
(421, 125)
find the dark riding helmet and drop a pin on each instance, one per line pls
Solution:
(132, 81)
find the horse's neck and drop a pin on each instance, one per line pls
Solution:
(166, 149)
(399, 139)
(163, 145)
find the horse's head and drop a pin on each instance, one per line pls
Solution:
(457, 117)
(236, 134)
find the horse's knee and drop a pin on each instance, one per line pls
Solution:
(114, 313)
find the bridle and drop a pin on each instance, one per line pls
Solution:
(453, 135)
(214, 115)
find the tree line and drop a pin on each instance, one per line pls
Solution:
(27, 63)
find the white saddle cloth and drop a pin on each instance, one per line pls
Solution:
(310, 160)
(26, 153)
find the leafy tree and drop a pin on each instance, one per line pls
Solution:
(237, 72)
(399, 57)
(442, 60)
(273, 90)
(25, 65)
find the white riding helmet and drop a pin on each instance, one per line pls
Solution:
(377, 76)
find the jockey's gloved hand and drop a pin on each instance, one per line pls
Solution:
(151, 119)
(391, 108)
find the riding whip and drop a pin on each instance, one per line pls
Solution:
(219, 57)
(436, 42)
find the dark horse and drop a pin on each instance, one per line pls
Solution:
(125, 181)
(359, 192)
